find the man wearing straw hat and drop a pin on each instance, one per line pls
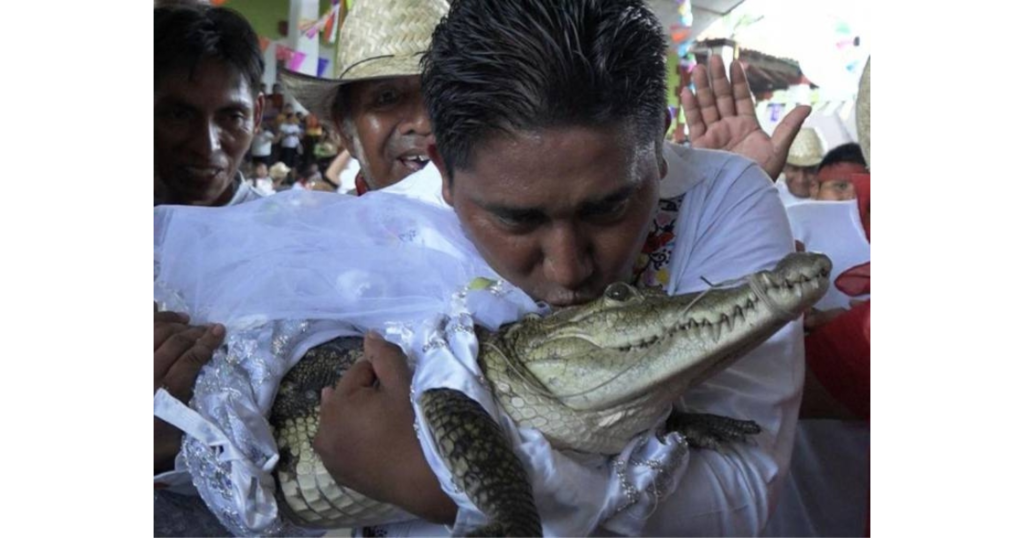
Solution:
(376, 102)
(800, 181)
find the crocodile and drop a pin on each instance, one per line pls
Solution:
(588, 377)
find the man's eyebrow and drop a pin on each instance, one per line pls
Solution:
(529, 213)
(611, 199)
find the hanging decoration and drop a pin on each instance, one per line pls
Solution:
(326, 23)
(682, 35)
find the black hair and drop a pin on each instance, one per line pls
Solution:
(845, 153)
(188, 34)
(500, 67)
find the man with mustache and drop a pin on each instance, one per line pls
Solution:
(376, 103)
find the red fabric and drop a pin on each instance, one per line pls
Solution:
(839, 354)
(840, 171)
(361, 186)
(855, 281)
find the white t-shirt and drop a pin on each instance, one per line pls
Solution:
(787, 197)
(244, 191)
(730, 224)
(291, 134)
(347, 177)
(262, 143)
(264, 186)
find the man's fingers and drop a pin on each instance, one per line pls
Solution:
(692, 112)
(705, 95)
(182, 375)
(721, 88)
(741, 90)
(170, 317)
(786, 130)
(164, 330)
(173, 348)
(389, 363)
(359, 376)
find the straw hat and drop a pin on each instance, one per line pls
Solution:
(378, 39)
(807, 149)
(864, 112)
(279, 171)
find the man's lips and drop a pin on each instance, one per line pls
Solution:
(414, 161)
(202, 174)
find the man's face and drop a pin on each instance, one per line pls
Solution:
(835, 182)
(388, 129)
(204, 125)
(261, 170)
(801, 180)
(562, 213)
(836, 190)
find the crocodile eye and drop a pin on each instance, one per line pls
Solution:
(620, 292)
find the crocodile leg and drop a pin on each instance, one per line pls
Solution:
(710, 431)
(482, 463)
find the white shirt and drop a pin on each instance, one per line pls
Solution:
(244, 192)
(264, 186)
(731, 223)
(787, 197)
(291, 134)
(262, 143)
(347, 177)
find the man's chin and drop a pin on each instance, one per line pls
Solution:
(207, 193)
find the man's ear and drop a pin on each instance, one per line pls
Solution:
(258, 111)
(446, 180)
(668, 123)
(343, 135)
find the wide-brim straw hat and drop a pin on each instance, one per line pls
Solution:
(279, 171)
(807, 149)
(378, 39)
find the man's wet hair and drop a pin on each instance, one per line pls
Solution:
(845, 153)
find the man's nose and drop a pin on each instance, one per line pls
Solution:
(568, 258)
(416, 120)
(206, 138)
